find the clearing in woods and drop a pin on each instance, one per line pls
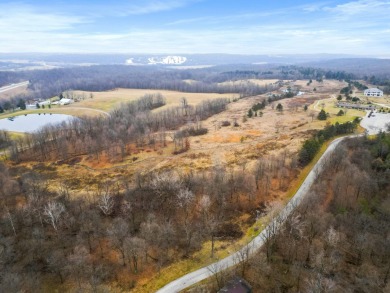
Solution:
(108, 100)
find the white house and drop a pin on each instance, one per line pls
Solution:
(65, 101)
(373, 92)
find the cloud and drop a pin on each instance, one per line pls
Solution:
(317, 29)
(25, 18)
(151, 6)
(266, 39)
(140, 7)
(313, 7)
(361, 7)
(236, 18)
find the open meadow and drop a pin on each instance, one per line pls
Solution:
(5, 95)
(108, 100)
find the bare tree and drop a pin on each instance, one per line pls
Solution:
(211, 221)
(106, 204)
(219, 273)
(79, 263)
(134, 247)
(118, 232)
(53, 212)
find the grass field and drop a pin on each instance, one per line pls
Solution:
(329, 106)
(108, 100)
(260, 82)
(103, 102)
(74, 111)
(14, 92)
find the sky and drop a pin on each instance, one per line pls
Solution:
(196, 26)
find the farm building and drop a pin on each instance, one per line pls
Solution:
(355, 106)
(373, 92)
(65, 101)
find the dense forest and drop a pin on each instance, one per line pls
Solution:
(338, 239)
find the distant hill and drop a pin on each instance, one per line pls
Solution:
(358, 66)
(66, 60)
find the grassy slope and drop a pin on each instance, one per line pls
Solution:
(110, 99)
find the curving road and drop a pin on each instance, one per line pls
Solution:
(13, 86)
(253, 246)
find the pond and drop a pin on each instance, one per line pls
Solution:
(32, 122)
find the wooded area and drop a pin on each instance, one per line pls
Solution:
(338, 239)
(125, 227)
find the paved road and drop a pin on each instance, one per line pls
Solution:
(252, 247)
(382, 105)
(13, 86)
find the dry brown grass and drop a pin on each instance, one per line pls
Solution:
(260, 82)
(108, 100)
(14, 92)
(327, 86)
(230, 146)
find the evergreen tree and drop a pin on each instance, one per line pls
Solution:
(322, 115)
(279, 107)
(340, 113)
(22, 104)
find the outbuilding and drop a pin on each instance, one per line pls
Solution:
(65, 101)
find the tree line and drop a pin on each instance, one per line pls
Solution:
(312, 145)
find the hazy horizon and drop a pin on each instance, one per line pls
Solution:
(196, 27)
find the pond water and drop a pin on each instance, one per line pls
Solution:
(32, 122)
